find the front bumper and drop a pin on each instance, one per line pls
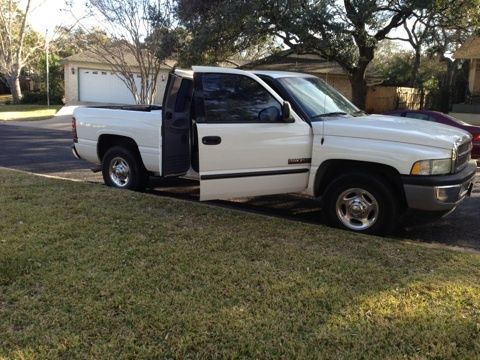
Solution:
(439, 193)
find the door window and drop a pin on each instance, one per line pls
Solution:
(230, 98)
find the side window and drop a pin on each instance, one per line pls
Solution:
(184, 95)
(232, 98)
(419, 116)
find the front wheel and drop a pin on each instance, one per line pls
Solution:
(122, 169)
(361, 203)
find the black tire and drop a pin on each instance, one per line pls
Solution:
(361, 203)
(122, 168)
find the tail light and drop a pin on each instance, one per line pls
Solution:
(74, 130)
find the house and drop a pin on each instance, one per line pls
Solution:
(90, 79)
(470, 50)
(329, 71)
(470, 110)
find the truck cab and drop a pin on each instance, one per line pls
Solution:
(236, 132)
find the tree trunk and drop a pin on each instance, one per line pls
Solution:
(357, 74)
(415, 67)
(13, 82)
(359, 88)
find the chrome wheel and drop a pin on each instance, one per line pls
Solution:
(119, 172)
(357, 209)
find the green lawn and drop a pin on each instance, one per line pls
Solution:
(90, 272)
(27, 112)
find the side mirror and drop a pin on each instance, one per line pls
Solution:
(269, 115)
(287, 112)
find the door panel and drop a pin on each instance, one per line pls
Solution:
(176, 125)
(252, 158)
(241, 164)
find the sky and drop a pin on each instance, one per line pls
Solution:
(47, 14)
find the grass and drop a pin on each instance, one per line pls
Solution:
(90, 272)
(27, 112)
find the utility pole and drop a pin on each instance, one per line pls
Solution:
(48, 66)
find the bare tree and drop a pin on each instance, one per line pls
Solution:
(129, 43)
(18, 43)
(418, 32)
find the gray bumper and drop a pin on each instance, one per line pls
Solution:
(440, 195)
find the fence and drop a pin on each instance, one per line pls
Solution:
(385, 98)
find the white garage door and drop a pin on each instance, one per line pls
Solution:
(104, 87)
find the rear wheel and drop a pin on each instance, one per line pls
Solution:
(361, 203)
(122, 168)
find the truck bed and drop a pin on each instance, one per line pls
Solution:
(140, 123)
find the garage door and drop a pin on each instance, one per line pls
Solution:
(104, 87)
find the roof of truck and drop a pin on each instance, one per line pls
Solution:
(271, 73)
(279, 74)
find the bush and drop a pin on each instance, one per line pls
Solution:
(40, 98)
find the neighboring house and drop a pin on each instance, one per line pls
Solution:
(470, 111)
(470, 51)
(329, 71)
(90, 79)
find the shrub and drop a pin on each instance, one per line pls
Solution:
(40, 98)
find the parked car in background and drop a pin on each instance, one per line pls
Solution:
(438, 117)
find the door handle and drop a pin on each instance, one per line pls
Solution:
(168, 115)
(211, 140)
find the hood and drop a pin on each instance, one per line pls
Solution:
(393, 128)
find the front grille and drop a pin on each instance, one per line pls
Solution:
(463, 155)
(465, 147)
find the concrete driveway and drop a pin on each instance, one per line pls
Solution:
(44, 147)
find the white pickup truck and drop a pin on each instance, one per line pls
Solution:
(249, 133)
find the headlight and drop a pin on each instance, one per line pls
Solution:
(432, 167)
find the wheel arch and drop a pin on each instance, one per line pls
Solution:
(331, 169)
(107, 141)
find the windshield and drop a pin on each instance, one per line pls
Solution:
(317, 98)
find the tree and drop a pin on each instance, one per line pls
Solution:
(394, 64)
(18, 43)
(417, 35)
(347, 32)
(432, 26)
(73, 40)
(129, 42)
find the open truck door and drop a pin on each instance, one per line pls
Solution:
(249, 143)
(176, 126)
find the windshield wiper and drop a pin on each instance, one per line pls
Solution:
(329, 114)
